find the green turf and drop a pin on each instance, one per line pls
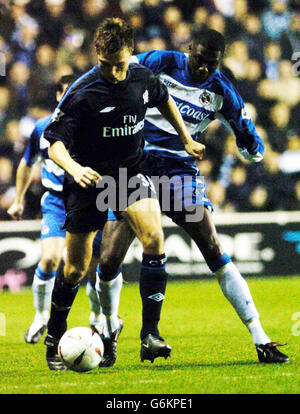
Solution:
(212, 350)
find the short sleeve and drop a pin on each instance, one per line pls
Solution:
(64, 123)
(158, 92)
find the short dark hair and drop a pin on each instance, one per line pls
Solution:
(209, 38)
(113, 34)
(65, 80)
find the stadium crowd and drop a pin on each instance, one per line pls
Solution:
(42, 40)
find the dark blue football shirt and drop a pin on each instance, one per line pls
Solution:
(101, 123)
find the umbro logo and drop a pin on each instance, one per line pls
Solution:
(158, 297)
(107, 109)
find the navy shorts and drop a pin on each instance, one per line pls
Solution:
(87, 208)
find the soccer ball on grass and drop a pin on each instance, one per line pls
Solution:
(81, 349)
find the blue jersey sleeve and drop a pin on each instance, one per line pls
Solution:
(156, 60)
(234, 112)
(32, 150)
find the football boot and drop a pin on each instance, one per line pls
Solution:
(153, 347)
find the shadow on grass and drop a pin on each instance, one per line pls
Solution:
(171, 367)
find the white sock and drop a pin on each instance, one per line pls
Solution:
(93, 300)
(42, 291)
(257, 332)
(236, 290)
(109, 295)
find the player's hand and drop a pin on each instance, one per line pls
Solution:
(195, 148)
(16, 210)
(257, 157)
(249, 148)
(86, 176)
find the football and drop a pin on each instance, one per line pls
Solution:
(81, 349)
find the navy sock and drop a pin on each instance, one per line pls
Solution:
(153, 282)
(63, 296)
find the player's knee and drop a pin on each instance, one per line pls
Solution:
(109, 266)
(74, 273)
(50, 263)
(153, 242)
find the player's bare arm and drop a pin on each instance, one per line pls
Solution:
(170, 111)
(84, 176)
(23, 181)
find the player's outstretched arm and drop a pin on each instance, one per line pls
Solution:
(84, 176)
(170, 111)
(249, 144)
(23, 181)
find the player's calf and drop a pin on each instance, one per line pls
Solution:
(63, 296)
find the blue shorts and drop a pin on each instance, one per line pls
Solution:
(54, 216)
(185, 187)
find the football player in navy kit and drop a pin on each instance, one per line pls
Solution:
(202, 93)
(97, 130)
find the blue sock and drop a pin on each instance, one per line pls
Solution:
(153, 282)
(107, 278)
(42, 274)
(216, 265)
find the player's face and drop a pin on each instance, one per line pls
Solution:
(203, 62)
(114, 66)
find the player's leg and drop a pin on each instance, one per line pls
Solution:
(117, 237)
(53, 243)
(42, 286)
(96, 316)
(144, 217)
(233, 285)
(79, 253)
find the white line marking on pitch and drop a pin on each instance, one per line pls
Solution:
(75, 384)
(282, 374)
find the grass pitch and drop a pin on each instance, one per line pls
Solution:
(212, 351)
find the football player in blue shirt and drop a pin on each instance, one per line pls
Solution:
(202, 94)
(52, 236)
(97, 130)
(53, 211)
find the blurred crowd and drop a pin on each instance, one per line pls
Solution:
(42, 40)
